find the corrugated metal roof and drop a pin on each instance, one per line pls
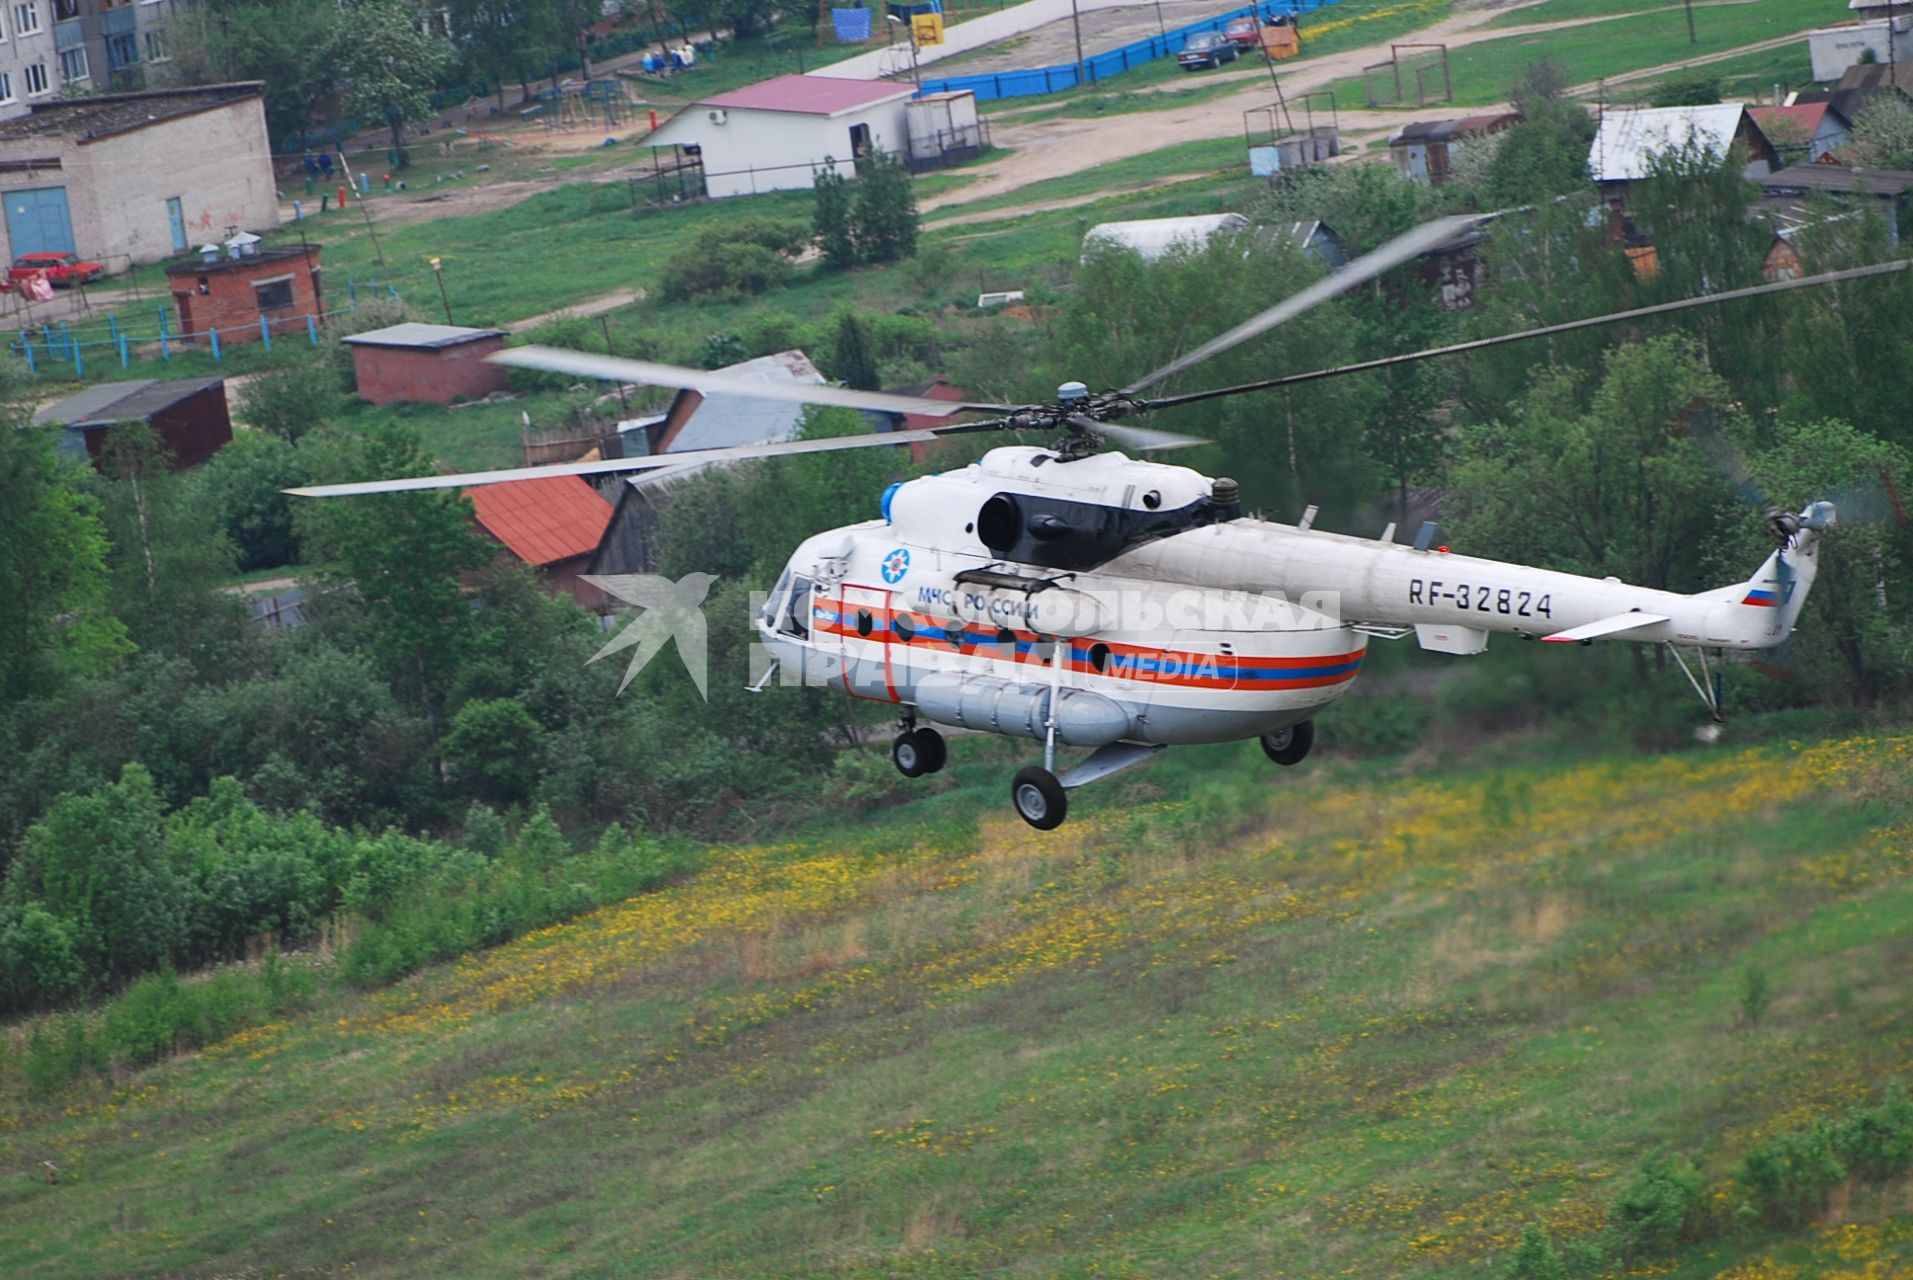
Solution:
(810, 95)
(108, 402)
(1801, 178)
(1154, 237)
(1627, 140)
(545, 520)
(725, 420)
(412, 334)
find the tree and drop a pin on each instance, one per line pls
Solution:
(290, 400)
(1883, 131)
(169, 558)
(278, 43)
(830, 217)
(245, 483)
(495, 745)
(884, 209)
(852, 361)
(1544, 156)
(396, 558)
(506, 41)
(1612, 484)
(97, 863)
(54, 623)
(385, 66)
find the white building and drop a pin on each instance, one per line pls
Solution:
(774, 136)
(1834, 49)
(136, 176)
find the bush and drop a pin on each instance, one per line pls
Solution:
(740, 260)
(1876, 1143)
(1656, 1206)
(1789, 1175)
(1534, 1258)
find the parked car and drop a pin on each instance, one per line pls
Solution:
(62, 269)
(1207, 49)
(1245, 32)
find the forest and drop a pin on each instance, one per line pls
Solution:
(433, 764)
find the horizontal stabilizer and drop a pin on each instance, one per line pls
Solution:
(1607, 627)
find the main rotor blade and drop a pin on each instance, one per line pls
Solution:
(613, 466)
(650, 374)
(1566, 326)
(1428, 236)
(1141, 439)
(1700, 421)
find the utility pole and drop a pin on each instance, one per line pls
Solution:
(1076, 21)
(1691, 37)
(438, 272)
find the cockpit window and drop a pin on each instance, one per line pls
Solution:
(793, 608)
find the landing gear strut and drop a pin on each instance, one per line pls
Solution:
(916, 752)
(1289, 746)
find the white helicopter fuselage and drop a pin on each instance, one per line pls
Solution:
(1113, 600)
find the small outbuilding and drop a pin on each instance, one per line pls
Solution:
(1426, 150)
(1154, 238)
(1628, 142)
(552, 523)
(245, 291)
(189, 415)
(776, 135)
(427, 363)
(722, 419)
(1805, 132)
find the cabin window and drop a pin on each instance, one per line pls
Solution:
(1099, 657)
(274, 295)
(865, 623)
(793, 608)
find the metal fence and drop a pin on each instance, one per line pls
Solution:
(59, 348)
(1041, 80)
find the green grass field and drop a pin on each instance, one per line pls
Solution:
(1234, 1021)
(1482, 73)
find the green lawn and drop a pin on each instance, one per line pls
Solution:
(1482, 73)
(1341, 1021)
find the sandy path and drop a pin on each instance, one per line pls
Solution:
(590, 307)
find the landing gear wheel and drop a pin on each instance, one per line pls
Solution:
(907, 753)
(1289, 746)
(1039, 798)
(931, 749)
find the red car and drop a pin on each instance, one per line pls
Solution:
(62, 269)
(1245, 31)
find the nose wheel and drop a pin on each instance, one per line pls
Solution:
(916, 752)
(1289, 746)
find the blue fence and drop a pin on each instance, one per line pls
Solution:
(61, 349)
(1113, 62)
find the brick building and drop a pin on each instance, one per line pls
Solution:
(235, 292)
(429, 363)
(136, 176)
(189, 415)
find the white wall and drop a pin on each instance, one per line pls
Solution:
(782, 147)
(1834, 49)
(217, 162)
(971, 33)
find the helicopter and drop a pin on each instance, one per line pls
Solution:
(1075, 596)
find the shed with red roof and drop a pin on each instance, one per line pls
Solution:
(1805, 132)
(552, 523)
(775, 135)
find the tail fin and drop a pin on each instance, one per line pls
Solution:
(1784, 578)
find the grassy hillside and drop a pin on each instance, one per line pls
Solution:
(1229, 1021)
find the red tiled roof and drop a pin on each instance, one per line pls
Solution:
(809, 95)
(1805, 117)
(543, 521)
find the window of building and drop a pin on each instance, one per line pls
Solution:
(274, 295)
(156, 46)
(121, 51)
(35, 76)
(63, 10)
(73, 66)
(6, 86)
(26, 17)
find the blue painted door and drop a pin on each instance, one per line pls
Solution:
(177, 216)
(37, 221)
